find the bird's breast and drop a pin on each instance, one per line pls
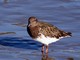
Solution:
(34, 31)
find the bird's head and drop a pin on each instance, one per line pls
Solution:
(32, 19)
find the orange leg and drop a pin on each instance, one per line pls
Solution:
(46, 50)
(42, 49)
(46, 56)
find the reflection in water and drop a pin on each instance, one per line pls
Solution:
(70, 58)
(46, 57)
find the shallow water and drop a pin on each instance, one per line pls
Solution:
(65, 14)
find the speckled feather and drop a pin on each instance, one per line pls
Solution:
(44, 32)
(47, 30)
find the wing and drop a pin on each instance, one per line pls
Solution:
(51, 31)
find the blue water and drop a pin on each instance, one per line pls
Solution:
(65, 14)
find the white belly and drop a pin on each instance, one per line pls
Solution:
(46, 40)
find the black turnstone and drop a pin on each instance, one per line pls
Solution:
(44, 32)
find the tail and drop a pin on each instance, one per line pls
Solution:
(69, 33)
(66, 34)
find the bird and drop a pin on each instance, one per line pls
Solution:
(45, 32)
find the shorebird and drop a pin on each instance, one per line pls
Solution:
(44, 32)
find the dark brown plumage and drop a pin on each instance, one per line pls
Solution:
(42, 31)
(34, 27)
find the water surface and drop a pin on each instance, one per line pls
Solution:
(65, 14)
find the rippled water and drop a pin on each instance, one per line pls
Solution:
(65, 14)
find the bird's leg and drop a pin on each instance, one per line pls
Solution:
(42, 49)
(47, 51)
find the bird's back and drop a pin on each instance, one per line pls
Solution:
(52, 31)
(47, 30)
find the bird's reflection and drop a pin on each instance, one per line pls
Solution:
(70, 58)
(46, 57)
